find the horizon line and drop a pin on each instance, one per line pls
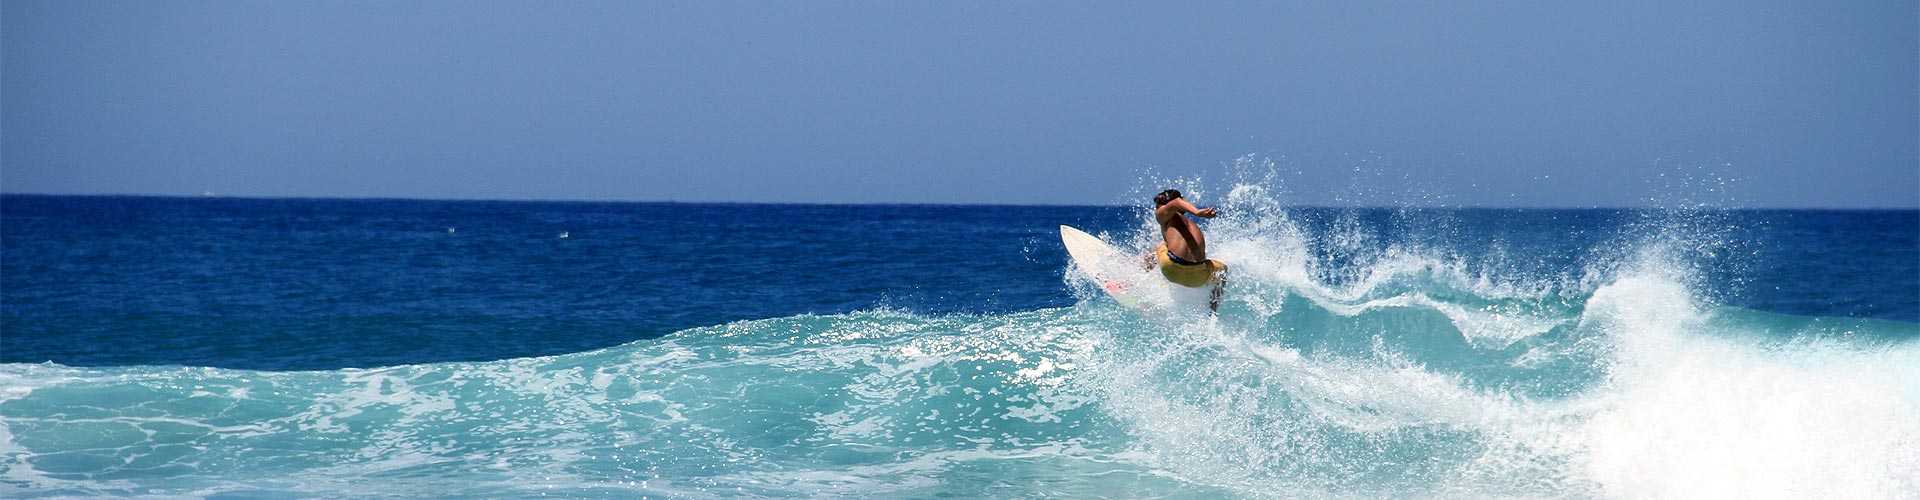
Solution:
(921, 204)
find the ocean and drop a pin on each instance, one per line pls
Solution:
(244, 348)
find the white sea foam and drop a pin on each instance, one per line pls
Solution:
(1689, 411)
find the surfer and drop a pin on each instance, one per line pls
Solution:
(1182, 256)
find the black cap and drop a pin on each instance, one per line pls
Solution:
(1166, 196)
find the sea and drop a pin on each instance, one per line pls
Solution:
(371, 348)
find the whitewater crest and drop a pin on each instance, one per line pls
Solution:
(1348, 361)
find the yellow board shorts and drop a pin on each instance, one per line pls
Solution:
(1188, 275)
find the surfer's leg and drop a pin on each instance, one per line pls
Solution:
(1219, 285)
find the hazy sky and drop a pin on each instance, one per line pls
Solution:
(1756, 103)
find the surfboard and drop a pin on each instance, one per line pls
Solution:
(1122, 276)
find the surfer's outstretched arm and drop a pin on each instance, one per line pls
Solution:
(1180, 206)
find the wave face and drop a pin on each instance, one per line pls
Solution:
(1338, 367)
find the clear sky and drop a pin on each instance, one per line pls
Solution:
(1496, 103)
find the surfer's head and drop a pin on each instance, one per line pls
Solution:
(1165, 197)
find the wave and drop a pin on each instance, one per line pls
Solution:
(1340, 366)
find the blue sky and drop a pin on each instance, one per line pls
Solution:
(1748, 103)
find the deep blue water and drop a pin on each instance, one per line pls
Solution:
(281, 284)
(305, 284)
(195, 346)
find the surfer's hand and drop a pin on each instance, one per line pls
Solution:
(1208, 212)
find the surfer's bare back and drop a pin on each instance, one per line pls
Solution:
(1182, 254)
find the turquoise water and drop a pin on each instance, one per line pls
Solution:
(1359, 354)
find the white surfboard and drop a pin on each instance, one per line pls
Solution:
(1122, 276)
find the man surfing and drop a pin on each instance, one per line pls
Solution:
(1182, 255)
